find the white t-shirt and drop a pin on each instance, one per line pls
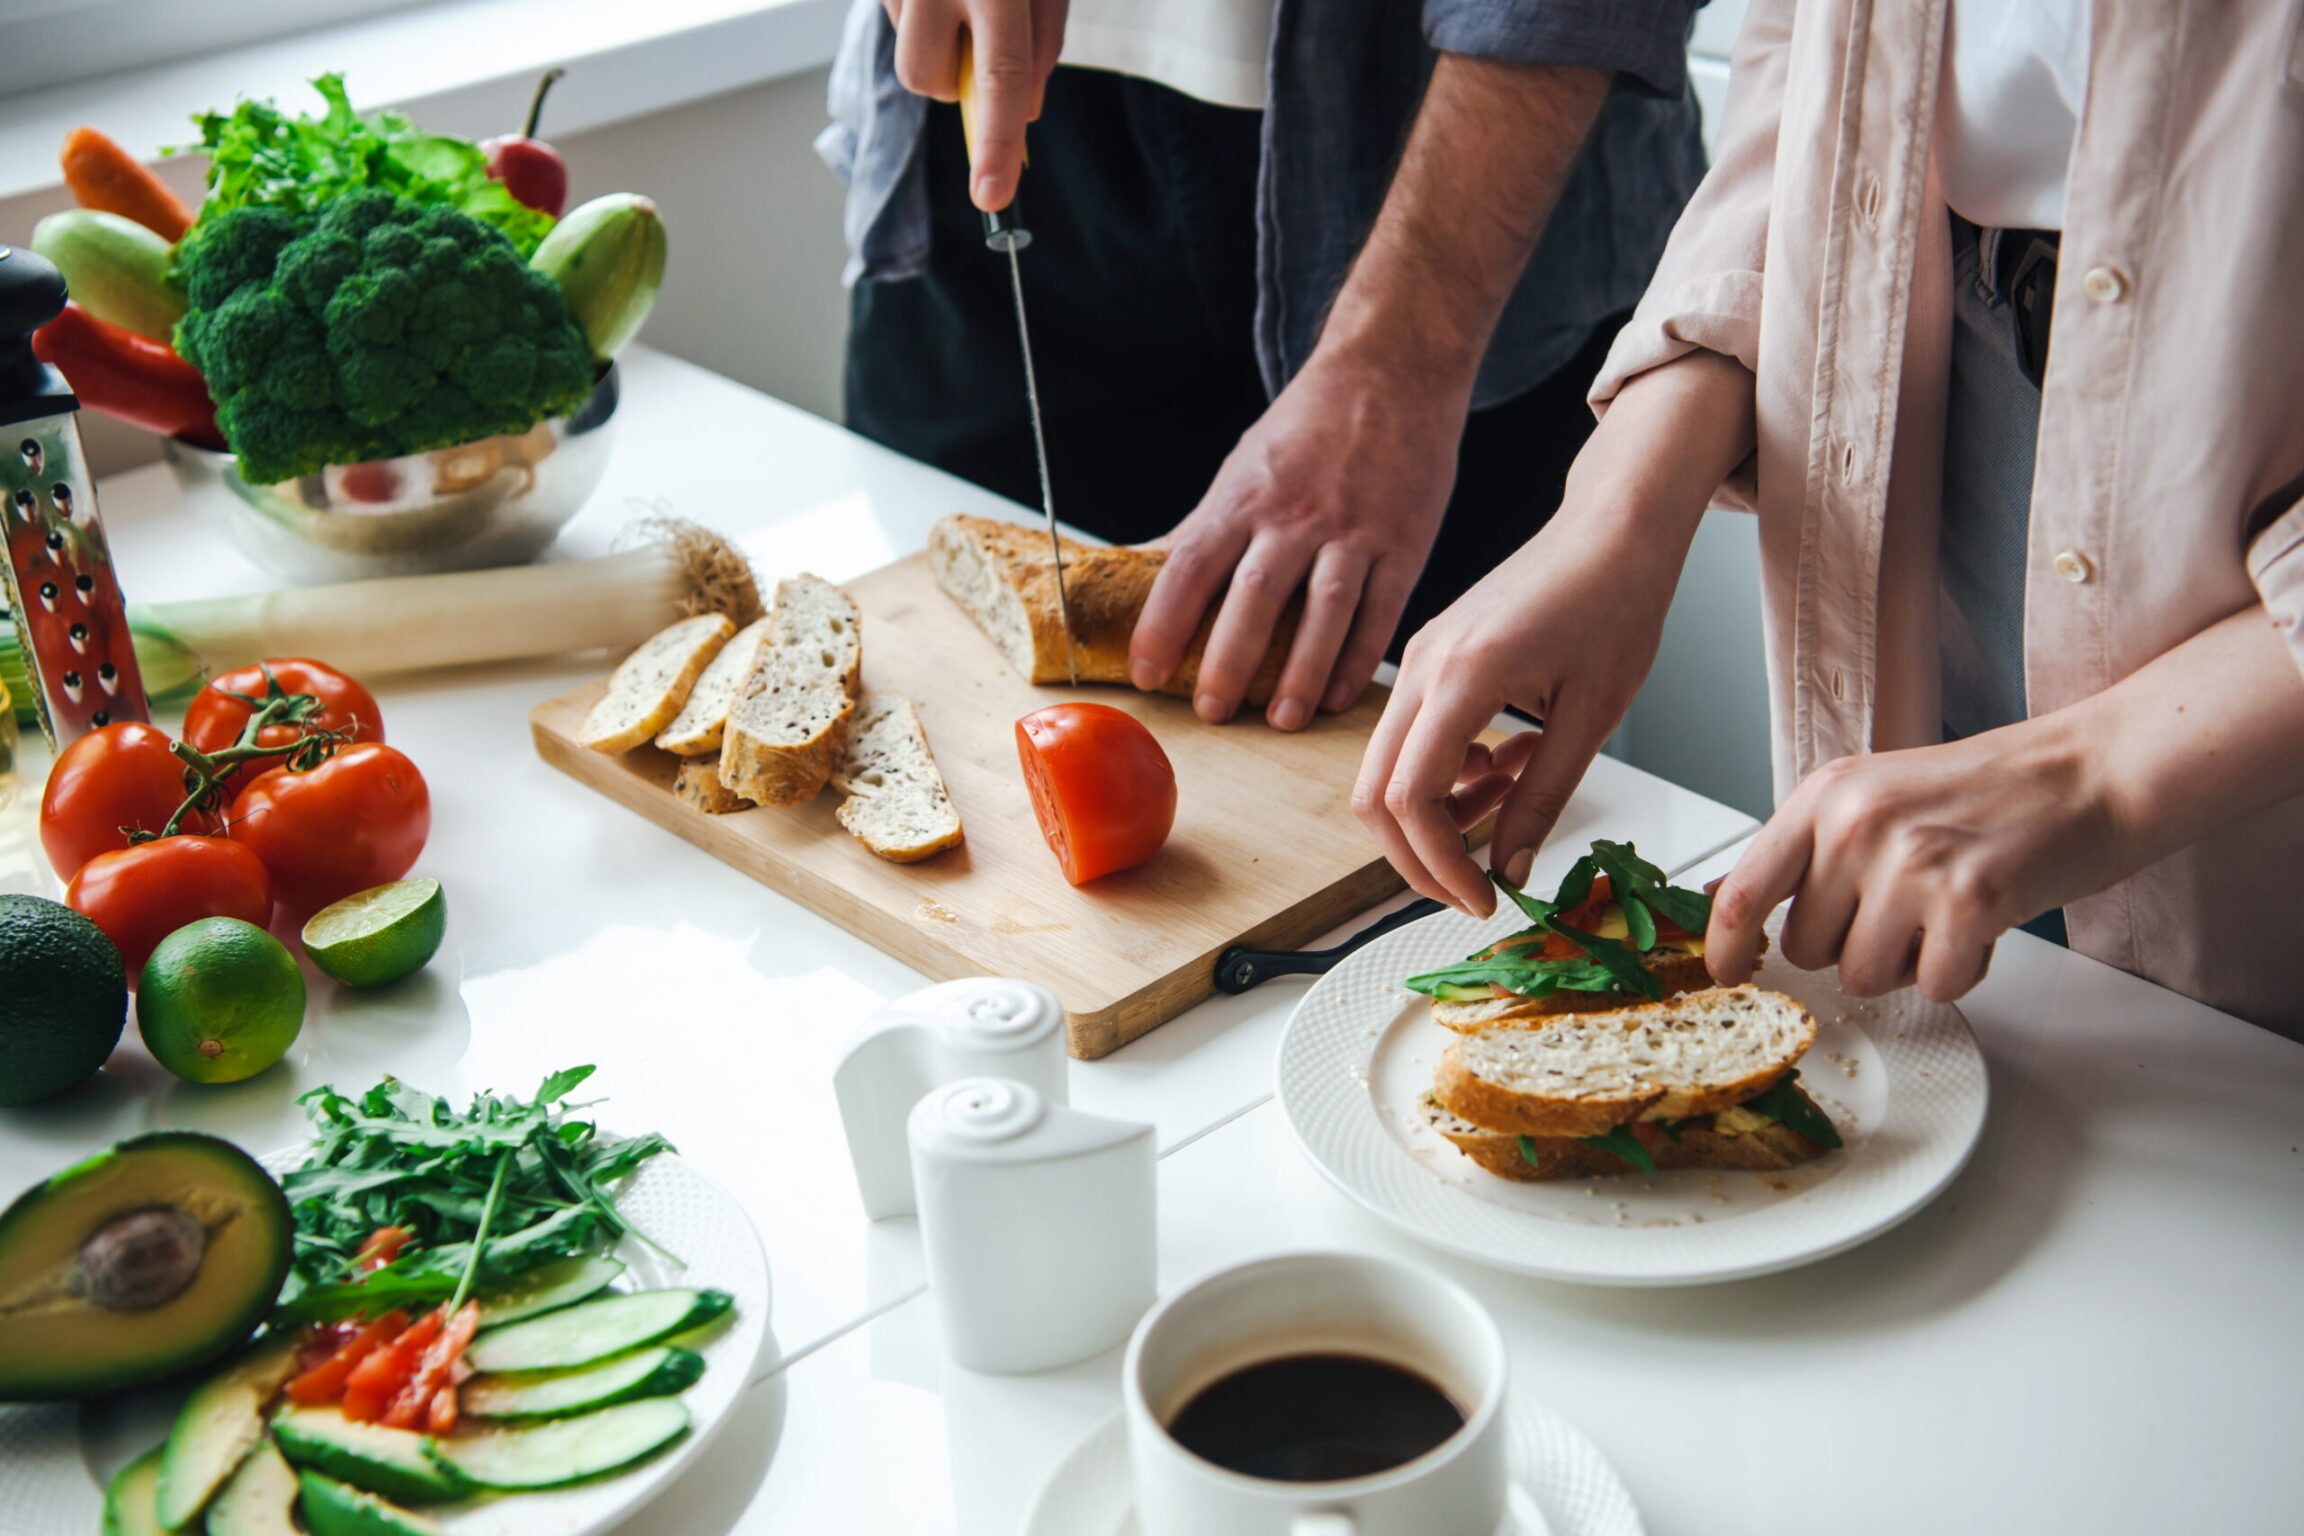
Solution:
(2015, 76)
(1216, 50)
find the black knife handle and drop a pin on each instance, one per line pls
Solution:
(1239, 969)
(1004, 229)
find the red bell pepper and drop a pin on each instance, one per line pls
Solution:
(133, 377)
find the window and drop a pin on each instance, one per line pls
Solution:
(50, 43)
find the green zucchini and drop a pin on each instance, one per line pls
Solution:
(662, 1371)
(115, 269)
(595, 1330)
(549, 1287)
(608, 258)
(560, 1451)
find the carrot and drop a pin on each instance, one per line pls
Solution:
(377, 1380)
(415, 1399)
(102, 175)
(324, 1383)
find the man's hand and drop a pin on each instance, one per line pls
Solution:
(1340, 487)
(1013, 45)
(1337, 490)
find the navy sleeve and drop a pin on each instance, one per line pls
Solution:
(1644, 41)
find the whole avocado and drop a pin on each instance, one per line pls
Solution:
(379, 327)
(63, 999)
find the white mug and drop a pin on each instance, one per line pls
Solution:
(1318, 1303)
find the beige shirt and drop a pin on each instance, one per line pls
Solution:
(2168, 492)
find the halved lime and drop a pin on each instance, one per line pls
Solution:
(379, 935)
(220, 1000)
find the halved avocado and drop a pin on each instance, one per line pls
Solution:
(148, 1259)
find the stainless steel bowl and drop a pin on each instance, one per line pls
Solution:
(495, 501)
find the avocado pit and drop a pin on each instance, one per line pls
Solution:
(141, 1259)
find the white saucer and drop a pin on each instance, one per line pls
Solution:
(1561, 1484)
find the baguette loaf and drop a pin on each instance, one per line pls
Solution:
(651, 684)
(897, 805)
(1584, 1074)
(698, 784)
(1699, 1144)
(1679, 972)
(697, 729)
(1003, 575)
(787, 731)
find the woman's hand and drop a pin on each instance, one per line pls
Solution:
(1013, 46)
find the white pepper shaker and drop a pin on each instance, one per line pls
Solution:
(1037, 1222)
(977, 1027)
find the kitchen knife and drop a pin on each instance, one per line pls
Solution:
(60, 583)
(1004, 232)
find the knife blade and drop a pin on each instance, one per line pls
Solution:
(1005, 233)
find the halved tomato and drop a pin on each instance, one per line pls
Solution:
(1104, 791)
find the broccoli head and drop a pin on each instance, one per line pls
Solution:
(377, 327)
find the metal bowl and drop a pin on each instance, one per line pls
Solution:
(494, 501)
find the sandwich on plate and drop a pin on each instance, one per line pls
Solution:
(1708, 1080)
(1615, 933)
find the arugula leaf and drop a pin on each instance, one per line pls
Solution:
(1639, 925)
(1529, 978)
(1528, 1151)
(1622, 965)
(1625, 1145)
(1788, 1104)
(1576, 885)
(558, 1085)
(1633, 879)
(1537, 910)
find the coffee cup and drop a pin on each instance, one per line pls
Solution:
(1317, 1394)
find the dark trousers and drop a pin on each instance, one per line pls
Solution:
(1141, 284)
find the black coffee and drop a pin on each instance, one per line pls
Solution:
(1316, 1418)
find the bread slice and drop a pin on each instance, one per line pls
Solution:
(1004, 576)
(786, 733)
(698, 784)
(1699, 1144)
(647, 690)
(897, 804)
(1583, 1074)
(1678, 971)
(697, 729)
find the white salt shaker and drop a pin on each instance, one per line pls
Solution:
(982, 1026)
(1037, 1222)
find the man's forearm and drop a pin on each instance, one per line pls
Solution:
(1491, 147)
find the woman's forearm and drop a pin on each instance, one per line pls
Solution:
(1669, 439)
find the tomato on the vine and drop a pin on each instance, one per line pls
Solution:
(355, 821)
(122, 776)
(220, 711)
(1104, 791)
(140, 895)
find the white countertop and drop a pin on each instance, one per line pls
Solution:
(2095, 1328)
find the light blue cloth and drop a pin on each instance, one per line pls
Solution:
(1345, 79)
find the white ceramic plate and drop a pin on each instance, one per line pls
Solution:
(1561, 1484)
(58, 1457)
(1900, 1076)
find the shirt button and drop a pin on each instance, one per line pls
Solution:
(2106, 285)
(2074, 566)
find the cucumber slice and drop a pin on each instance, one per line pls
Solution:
(131, 1499)
(257, 1500)
(659, 1372)
(218, 1426)
(373, 1457)
(332, 1508)
(561, 1451)
(549, 1287)
(1456, 992)
(595, 1330)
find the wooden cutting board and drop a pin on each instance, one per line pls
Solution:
(1265, 850)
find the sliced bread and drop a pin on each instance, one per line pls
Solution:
(1679, 973)
(1583, 1074)
(647, 690)
(897, 804)
(698, 784)
(787, 731)
(697, 729)
(1698, 1144)
(1004, 576)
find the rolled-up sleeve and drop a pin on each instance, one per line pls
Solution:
(1644, 41)
(2276, 566)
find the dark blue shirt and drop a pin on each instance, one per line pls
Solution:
(1345, 79)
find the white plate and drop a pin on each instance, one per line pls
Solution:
(1561, 1484)
(1900, 1076)
(57, 1457)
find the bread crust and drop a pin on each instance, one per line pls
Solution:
(1106, 588)
(785, 775)
(653, 708)
(698, 784)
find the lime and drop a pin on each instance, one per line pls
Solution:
(379, 935)
(220, 1000)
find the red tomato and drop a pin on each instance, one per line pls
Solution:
(323, 1382)
(1102, 788)
(376, 1380)
(121, 776)
(357, 820)
(140, 895)
(214, 719)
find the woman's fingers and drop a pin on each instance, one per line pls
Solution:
(1417, 793)
(1333, 594)
(1882, 946)
(1549, 764)
(1377, 767)
(1770, 870)
(1952, 961)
